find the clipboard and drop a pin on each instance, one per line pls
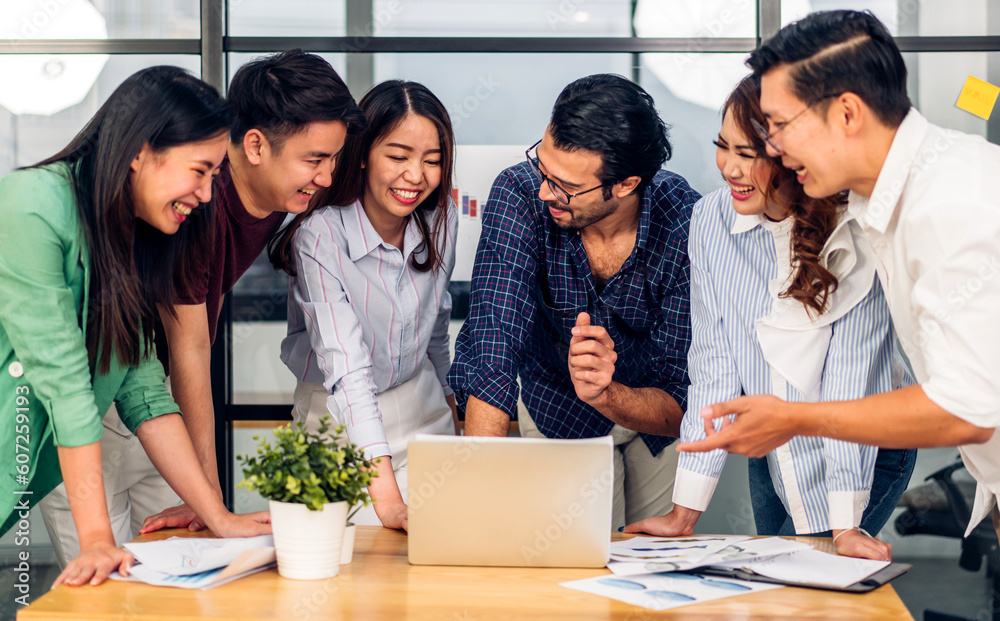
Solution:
(872, 582)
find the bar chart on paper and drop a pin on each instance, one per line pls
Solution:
(476, 167)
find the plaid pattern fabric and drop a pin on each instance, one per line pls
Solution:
(532, 278)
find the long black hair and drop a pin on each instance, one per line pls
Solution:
(135, 266)
(385, 106)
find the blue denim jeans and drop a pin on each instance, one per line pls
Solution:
(893, 468)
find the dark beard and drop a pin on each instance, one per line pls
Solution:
(579, 221)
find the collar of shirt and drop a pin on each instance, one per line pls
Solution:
(876, 211)
(573, 242)
(365, 239)
(743, 223)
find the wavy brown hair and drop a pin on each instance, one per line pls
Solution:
(385, 106)
(814, 218)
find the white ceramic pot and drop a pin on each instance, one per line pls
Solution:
(306, 542)
(347, 549)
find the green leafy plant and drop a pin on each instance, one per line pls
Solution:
(309, 467)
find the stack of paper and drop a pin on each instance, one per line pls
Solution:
(649, 570)
(810, 568)
(199, 563)
(647, 555)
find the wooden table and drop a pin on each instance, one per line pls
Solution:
(381, 584)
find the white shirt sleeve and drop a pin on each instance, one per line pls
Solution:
(714, 377)
(955, 299)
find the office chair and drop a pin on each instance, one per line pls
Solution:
(943, 506)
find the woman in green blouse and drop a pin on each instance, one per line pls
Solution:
(91, 240)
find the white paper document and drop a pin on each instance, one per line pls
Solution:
(649, 571)
(192, 563)
(811, 567)
(657, 554)
(666, 590)
(648, 549)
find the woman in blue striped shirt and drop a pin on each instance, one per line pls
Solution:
(368, 309)
(812, 329)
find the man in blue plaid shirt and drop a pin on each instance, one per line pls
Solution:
(581, 287)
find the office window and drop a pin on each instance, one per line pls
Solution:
(707, 19)
(501, 18)
(287, 18)
(885, 10)
(238, 59)
(57, 94)
(497, 98)
(925, 18)
(935, 80)
(99, 19)
(689, 90)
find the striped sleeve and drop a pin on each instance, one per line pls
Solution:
(858, 363)
(713, 372)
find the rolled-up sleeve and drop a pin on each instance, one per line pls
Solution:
(38, 308)
(490, 345)
(336, 338)
(143, 395)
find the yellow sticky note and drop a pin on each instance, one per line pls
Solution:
(978, 97)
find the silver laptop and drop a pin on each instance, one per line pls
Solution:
(514, 502)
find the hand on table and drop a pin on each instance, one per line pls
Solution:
(678, 523)
(859, 545)
(395, 516)
(244, 525)
(95, 564)
(591, 359)
(174, 517)
(763, 423)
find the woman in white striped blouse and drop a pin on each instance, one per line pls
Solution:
(369, 307)
(816, 328)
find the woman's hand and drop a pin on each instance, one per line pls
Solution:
(389, 504)
(95, 564)
(859, 545)
(394, 516)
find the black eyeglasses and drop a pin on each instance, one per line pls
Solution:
(561, 195)
(768, 137)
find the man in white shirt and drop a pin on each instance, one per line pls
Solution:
(834, 91)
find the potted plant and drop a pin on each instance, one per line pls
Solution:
(310, 479)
